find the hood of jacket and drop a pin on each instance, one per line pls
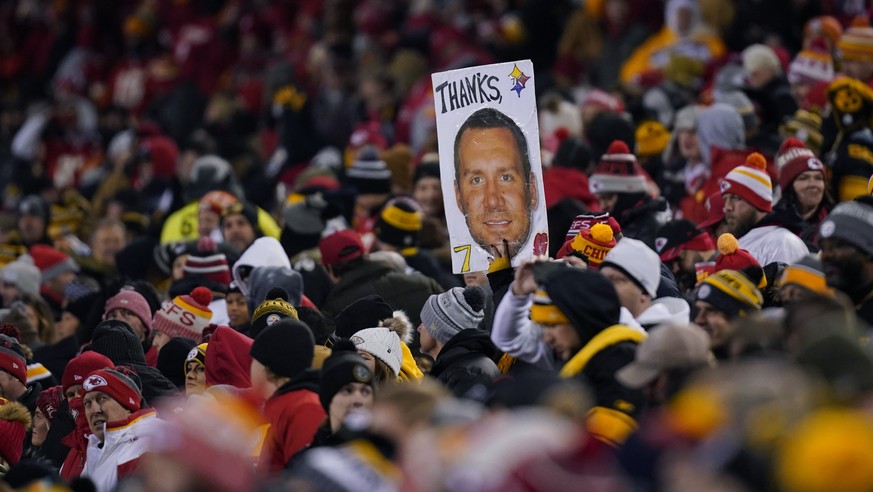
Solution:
(264, 252)
(720, 126)
(462, 345)
(264, 278)
(665, 310)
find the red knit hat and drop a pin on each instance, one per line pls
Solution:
(751, 183)
(15, 420)
(594, 243)
(731, 256)
(794, 159)
(208, 262)
(115, 384)
(82, 365)
(12, 358)
(186, 316)
(227, 359)
(51, 262)
(341, 247)
(618, 172)
(132, 301)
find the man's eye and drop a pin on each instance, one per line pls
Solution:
(476, 180)
(506, 177)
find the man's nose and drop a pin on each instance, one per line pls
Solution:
(493, 195)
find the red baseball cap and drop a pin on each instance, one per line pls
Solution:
(341, 247)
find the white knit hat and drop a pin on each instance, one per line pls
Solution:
(637, 261)
(382, 343)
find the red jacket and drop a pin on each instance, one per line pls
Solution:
(294, 413)
(77, 442)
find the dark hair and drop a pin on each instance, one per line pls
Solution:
(487, 118)
(321, 329)
(341, 269)
(789, 197)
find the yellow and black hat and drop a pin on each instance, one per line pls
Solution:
(730, 292)
(399, 223)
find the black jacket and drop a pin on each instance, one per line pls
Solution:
(639, 220)
(424, 262)
(401, 291)
(55, 357)
(468, 359)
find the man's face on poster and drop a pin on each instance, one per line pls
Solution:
(492, 190)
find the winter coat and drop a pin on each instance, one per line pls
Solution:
(640, 221)
(123, 443)
(775, 102)
(852, 165)
(613, 417)
(404, 292)
(469, 358)
(294, 413)
(55, 357)
(773, 243)
(424, 262)
(665, 310)
(862, 298)
(76, 439)
(807, 229)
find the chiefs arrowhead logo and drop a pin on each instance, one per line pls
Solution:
(76, 377)
(94, 382)
(660, 242)
(724, 186)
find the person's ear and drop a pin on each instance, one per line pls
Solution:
(532, 188)
(458, 197)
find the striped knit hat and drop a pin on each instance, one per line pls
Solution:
(369, 174)
(812, 65)
(12, 358)
(806, 127)
(751, 183)
(445, 315)
(594, 243)
(618, 172)
(856, 43)
(730, 292)
(544, 312)
(807, 273)
(399, 223)
(208, 263)
(186, 316)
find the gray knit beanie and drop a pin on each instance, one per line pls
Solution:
(446, 314)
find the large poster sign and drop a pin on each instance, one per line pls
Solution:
(490, 163)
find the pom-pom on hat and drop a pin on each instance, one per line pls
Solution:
(794, 159)
(594, 243)
(618, 172)
(731, 256)
(186, 316)
(751, 183)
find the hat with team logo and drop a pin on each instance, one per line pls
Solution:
(115, 384)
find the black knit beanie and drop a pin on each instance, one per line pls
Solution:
(171, 358)
(115, 339)
(366, 312)
(587, 298)
(285, 347)
(344, 366)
